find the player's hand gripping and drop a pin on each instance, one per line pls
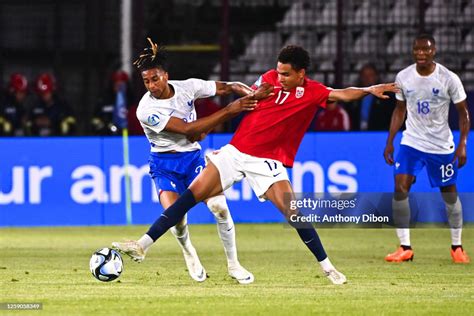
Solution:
(460, 155)
(246, 103)
(388, 154)
(378, 89)
(265, 90)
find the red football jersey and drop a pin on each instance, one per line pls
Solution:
(276, 127)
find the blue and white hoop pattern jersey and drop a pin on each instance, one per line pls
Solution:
(428, 99)
(154, 114)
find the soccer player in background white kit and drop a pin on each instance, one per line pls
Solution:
(427, 88)
(176, 157)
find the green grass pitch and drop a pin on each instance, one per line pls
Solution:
(50, 266)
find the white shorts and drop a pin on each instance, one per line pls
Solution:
(234, 165)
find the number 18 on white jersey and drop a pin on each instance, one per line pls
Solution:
(428, 99)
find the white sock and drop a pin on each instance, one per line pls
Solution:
(326, 265)
(181, 233)
(454, 212)
(456, 236)
(225, 227)
(401, 218)
(404, 236)
(145, 241)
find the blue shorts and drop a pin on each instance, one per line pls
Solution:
(175, 171)
(440, 167)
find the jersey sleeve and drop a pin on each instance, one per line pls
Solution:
(320, 94)
(153, 119)
(456, 89)
(266, 77)
(257, 83)
(399, 95)
(202, 88)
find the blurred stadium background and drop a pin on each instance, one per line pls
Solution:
(79, 181)
(80, 41)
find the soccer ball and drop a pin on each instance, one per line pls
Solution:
(106, 264)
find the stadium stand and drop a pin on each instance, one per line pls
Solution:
(63, 36)
(364, 15)
(303, 14)
(402, 13)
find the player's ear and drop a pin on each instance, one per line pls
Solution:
(301, 73)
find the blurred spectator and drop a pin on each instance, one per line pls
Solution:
(107, 120)
(370, 113)
(332, 118)
(50, 115)
(206, 107)
(13, 106)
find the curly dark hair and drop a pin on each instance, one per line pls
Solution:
(152, 57)
(297, 56)
(425, 36)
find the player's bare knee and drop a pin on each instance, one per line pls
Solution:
(198, 192)
(450, 198)
(449, 194)
(401, 191)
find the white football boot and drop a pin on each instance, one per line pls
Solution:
(336, 277)
(195, 268)
(242, 275)
(130, 248)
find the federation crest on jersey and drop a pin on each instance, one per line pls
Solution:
(435, 91)
(153, 120)
(299, 92)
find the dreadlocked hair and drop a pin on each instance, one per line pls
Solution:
(152, 57)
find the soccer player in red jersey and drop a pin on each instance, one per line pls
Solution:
(266, 141)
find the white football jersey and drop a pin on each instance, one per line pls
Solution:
(428, 99)
(154, 114)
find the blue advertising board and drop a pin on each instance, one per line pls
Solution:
(80, 181)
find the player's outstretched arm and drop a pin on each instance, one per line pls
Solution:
(205, 124)
(241, 89)
(464, 125)
(353, 94)
(226, 88)
(398, 117)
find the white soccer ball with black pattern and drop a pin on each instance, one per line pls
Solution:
(106, 264)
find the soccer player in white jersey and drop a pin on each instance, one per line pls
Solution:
(168, 117)
(427, 88)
